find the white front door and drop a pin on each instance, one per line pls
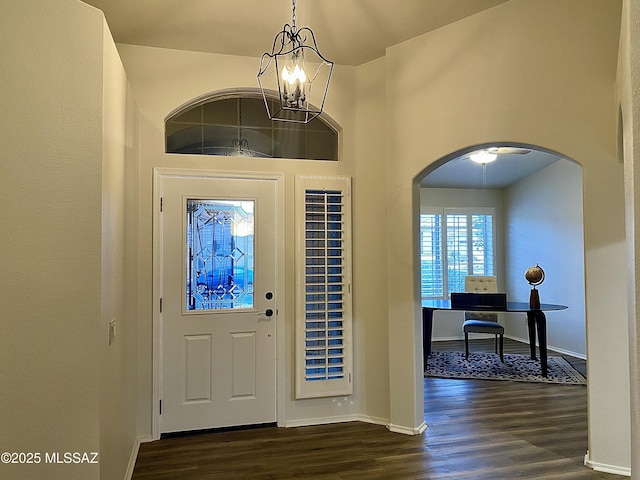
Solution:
(217, 283)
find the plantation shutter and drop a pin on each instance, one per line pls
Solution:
(323, 303)
(454, 243)
(482, 234)
(457, 249)
(431, 271)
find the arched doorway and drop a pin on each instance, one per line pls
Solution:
(534, 197)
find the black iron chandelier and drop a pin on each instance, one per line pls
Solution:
(298, 72)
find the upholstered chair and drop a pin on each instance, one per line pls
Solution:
(482, 322)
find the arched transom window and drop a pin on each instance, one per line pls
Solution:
(238, 124)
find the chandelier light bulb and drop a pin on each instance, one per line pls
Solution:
(294, 83)
(297, 75)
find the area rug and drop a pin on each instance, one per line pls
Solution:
(487, 366)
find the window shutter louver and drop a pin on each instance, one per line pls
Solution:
(324, 284)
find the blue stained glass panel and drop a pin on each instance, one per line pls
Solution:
(220, 254)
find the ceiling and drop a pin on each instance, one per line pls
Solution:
(506, 170)
(348, 32)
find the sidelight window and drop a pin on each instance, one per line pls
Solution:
(324, 288)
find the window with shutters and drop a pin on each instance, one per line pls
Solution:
(323, 310)
(455, 243)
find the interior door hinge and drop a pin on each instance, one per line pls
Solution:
(161, 201)
(160, 407)
(160, 304)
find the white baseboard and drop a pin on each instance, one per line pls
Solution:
(305, 422)
(374, 420)
(517, 339)
(550, 348)
(602, 467)
(419, 430)
(134, 455)
(479, 336)
(447, 339)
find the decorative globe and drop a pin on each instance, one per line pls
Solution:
(534, 275)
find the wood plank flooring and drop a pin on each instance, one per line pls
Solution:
(478, 429)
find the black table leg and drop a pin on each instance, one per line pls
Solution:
(541, 325)
(538, 321)
(427, 328)
(531, 323)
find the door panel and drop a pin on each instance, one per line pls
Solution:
(218, 247)
(243, 365)
(198, 363)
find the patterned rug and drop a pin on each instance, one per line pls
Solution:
(487, 366)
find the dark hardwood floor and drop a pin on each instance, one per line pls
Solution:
(478, 429)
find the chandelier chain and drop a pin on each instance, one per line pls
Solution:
(293, 14)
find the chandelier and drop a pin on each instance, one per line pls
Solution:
(292, 69)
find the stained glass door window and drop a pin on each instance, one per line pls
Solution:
(220, 254)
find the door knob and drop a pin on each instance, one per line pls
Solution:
(266, 315)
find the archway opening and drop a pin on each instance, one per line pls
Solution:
(533, 198)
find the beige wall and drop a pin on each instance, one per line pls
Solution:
(539, 73)
(50, 287)
(432, 109)
(547, 82)
(67, 139)
(545, 219)
(118, 389)
(370, 249)
(629, 138)
(163, 80)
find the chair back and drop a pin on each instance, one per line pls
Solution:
(480, 284)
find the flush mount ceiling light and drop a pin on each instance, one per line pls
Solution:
(483, 156)
(488, 155)
(291, 69)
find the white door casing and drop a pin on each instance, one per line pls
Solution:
(215, 367)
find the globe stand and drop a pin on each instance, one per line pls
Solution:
(534, 299)
(535, 276)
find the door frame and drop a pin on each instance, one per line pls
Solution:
(159, 175)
